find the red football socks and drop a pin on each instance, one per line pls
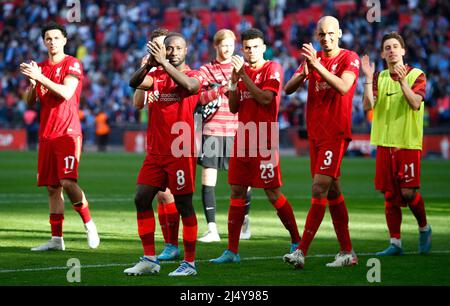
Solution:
(236, 214)
(313, 221)
(339, 215)
(190, 228)
(286, 215)
(56, 224)
(162, 218)
(417, 207)
(172, 222)
(146, 229)
(83, 211)
(393, 218)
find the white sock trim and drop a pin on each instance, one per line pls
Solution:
(396, 242)
(425, 228)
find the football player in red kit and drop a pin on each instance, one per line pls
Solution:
(332, 74)
(170, 160)
(255, 93)
(57, 82)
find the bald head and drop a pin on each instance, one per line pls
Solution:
(328, 21)
(328, 33)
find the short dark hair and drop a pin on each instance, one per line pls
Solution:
(158, 32)
(252, 34)
(175, 34)
(394, 35)
(53, 26)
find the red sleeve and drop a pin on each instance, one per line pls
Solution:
(375, 84)
(352, 63)
(419, 86)
(75, 69)
(300, 69)
(198, 76)
(203, 71)
(274, 78)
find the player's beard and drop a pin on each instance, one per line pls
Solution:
(177, 62)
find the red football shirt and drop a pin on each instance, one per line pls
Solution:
(173, 109)
(419, 86)
(328, 113)
(251, 113)
(60, 117)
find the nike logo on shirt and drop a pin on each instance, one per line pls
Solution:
(390, 94)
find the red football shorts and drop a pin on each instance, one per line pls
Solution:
(258, 172)
(58, 159)
(397, 168)
(176, 173)
(326, 156)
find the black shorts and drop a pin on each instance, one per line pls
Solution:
(216, 151)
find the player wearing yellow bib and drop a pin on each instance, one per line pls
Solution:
(397, 98)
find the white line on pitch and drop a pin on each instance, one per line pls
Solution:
(200, 260)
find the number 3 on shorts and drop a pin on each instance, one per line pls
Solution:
(180, 178)
(328, 156)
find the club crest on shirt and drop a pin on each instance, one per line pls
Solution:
(76, 67)
(355, 63)
(58, 70)
(258, 78)
(275, 76)
(333, 68)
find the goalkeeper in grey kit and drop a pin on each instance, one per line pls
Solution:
(219, 128)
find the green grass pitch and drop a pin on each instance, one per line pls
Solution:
(109, 183)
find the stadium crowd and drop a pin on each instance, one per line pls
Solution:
(110, 40)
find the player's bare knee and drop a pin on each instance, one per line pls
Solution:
(142, 200)
(184, 205)
(408, 194)
(238, 192)
(388, 196)
(68, 184)
(272, 195)
(54, 191)
(319, 190)
(333, 194)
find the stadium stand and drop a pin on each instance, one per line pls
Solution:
(111, 36)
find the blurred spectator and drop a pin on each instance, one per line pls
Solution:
(30, 119)
(102, 130)
(111, 38)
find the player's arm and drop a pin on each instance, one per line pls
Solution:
(139, 98)
(263, 97)
(65, 90)
(30, 94)
(414, 100)
(139, 79)
(341, 84)
(212, 94)
(297, 79)
(233, 92)
(191, 84)
(368, 69)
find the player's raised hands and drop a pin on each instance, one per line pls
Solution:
(401, 71)
(157, 52)
(238, 68)
(367, 67)
(32, 71)
(310, 54)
